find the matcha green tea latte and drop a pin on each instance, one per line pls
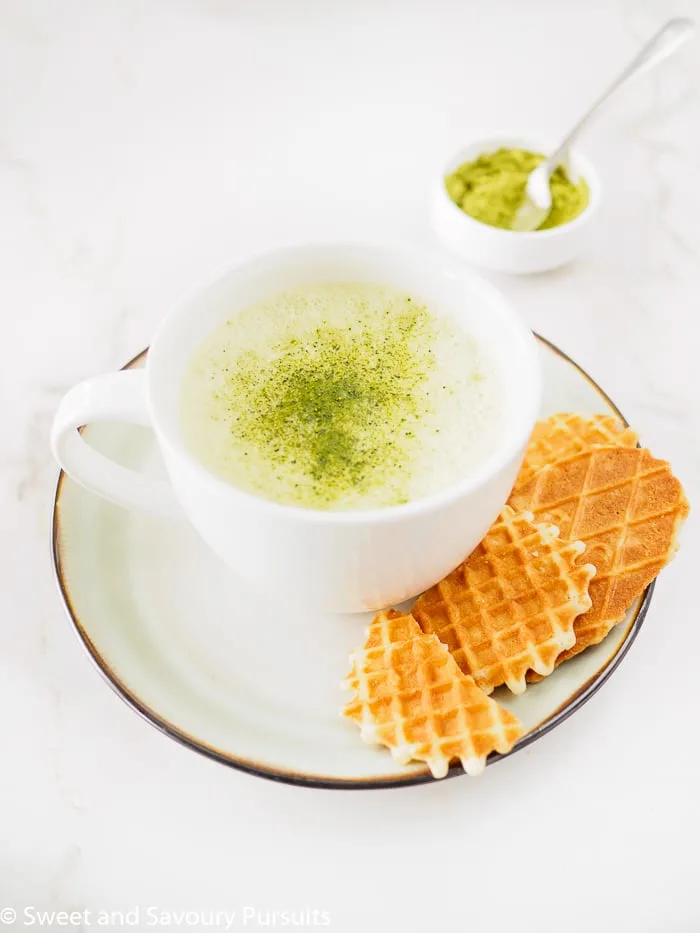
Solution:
(343, 396)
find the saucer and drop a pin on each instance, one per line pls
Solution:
(237, 676)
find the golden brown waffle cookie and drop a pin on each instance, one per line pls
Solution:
(627, 508)
(568, 433)
(411, 696)
(510, 606)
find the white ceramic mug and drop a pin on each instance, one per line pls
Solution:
(342, 561)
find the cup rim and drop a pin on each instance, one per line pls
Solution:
(526, 414)
(535, 142)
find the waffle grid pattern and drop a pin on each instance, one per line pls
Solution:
(567, 433)
(411, 697)
(510, 606)
(627, 508)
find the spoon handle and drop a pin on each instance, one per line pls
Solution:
(659, 47)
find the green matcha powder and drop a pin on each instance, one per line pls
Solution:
(492, 188)
(337, 406)
(342, 396)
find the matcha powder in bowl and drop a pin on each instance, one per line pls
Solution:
(491, 188)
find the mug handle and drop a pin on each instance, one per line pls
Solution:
(117, 396)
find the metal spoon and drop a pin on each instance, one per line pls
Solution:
(538, 197)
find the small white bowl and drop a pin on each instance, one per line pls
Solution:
(506, 250)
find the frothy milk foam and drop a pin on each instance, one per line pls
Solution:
(341, 396)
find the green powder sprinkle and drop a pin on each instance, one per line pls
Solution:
(334, 407)
(340, 396)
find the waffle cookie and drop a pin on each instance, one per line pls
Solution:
(411, 696)
(510, 606)
(568, 433)
(627, 508)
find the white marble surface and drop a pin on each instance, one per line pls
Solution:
(144, 143)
